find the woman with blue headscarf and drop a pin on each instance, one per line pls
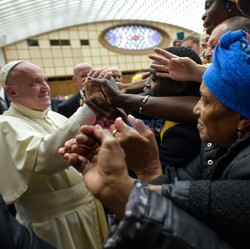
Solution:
(201, 205)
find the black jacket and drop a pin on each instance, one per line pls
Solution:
(7, 103)
(222, 205)
(215, 163)
(69, 106)
(55, 103)
(13, 235)
(154, 222)
(180, 144)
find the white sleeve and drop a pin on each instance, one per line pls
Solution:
(85, 115)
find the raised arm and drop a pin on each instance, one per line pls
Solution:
(179, 109)
(176, 68)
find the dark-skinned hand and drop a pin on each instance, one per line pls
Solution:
(105, 113)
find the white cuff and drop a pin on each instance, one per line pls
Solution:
(85, 115)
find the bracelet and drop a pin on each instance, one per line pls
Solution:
(144, 101)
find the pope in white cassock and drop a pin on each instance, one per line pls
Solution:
(49, 195)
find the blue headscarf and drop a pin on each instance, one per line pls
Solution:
(228, 77)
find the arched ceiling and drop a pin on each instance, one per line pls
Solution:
(21, 19)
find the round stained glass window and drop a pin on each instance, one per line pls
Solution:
(133, 37)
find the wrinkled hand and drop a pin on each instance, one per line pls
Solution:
(140, 147)
(174, 67)
(105, 173)
(78, 151)
(105, 113)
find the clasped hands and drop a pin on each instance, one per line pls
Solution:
(103, 158)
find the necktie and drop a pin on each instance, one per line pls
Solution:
(3, 105)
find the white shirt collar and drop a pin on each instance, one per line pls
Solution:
(2, 95)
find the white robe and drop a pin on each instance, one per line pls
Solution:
(49, 195)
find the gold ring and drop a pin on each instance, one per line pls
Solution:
(100, 76)
(114, 132)
(166, 68)
(95, 151)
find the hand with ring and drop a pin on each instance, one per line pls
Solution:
(114, 132)
(140, 147)
(175, 67)
(80, 150)
(105, 173)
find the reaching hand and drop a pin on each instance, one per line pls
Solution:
(104, 173)
(109, 88)
(139, 145)
(90, 89)
(105, 113)
(176, 68)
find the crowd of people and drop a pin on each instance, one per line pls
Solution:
(159, 163)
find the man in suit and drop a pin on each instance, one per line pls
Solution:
(69, 106)
(55, 103)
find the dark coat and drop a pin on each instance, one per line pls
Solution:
(7, 100)
(55, 103)
(215, 163)
(7, 103)
(69, 106)
(193, 212)
(1, 108)
(223, 205)
(13, 235)
(153, 222)
(180, 145)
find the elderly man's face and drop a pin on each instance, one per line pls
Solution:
(80, 74)
(216, 12)
(116, 74)
(216, 123)
(214, 38)
(29, 87)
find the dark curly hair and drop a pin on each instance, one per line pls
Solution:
(184, 52)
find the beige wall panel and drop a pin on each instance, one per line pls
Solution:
(11, 55)
(73, 34)
(47, 53)
(23, 53)
(22, 44)
(35, 53)
(43, 44)
(75, 43)
(49, 63)
(68, 62)
(63, 34)
(56, 52)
